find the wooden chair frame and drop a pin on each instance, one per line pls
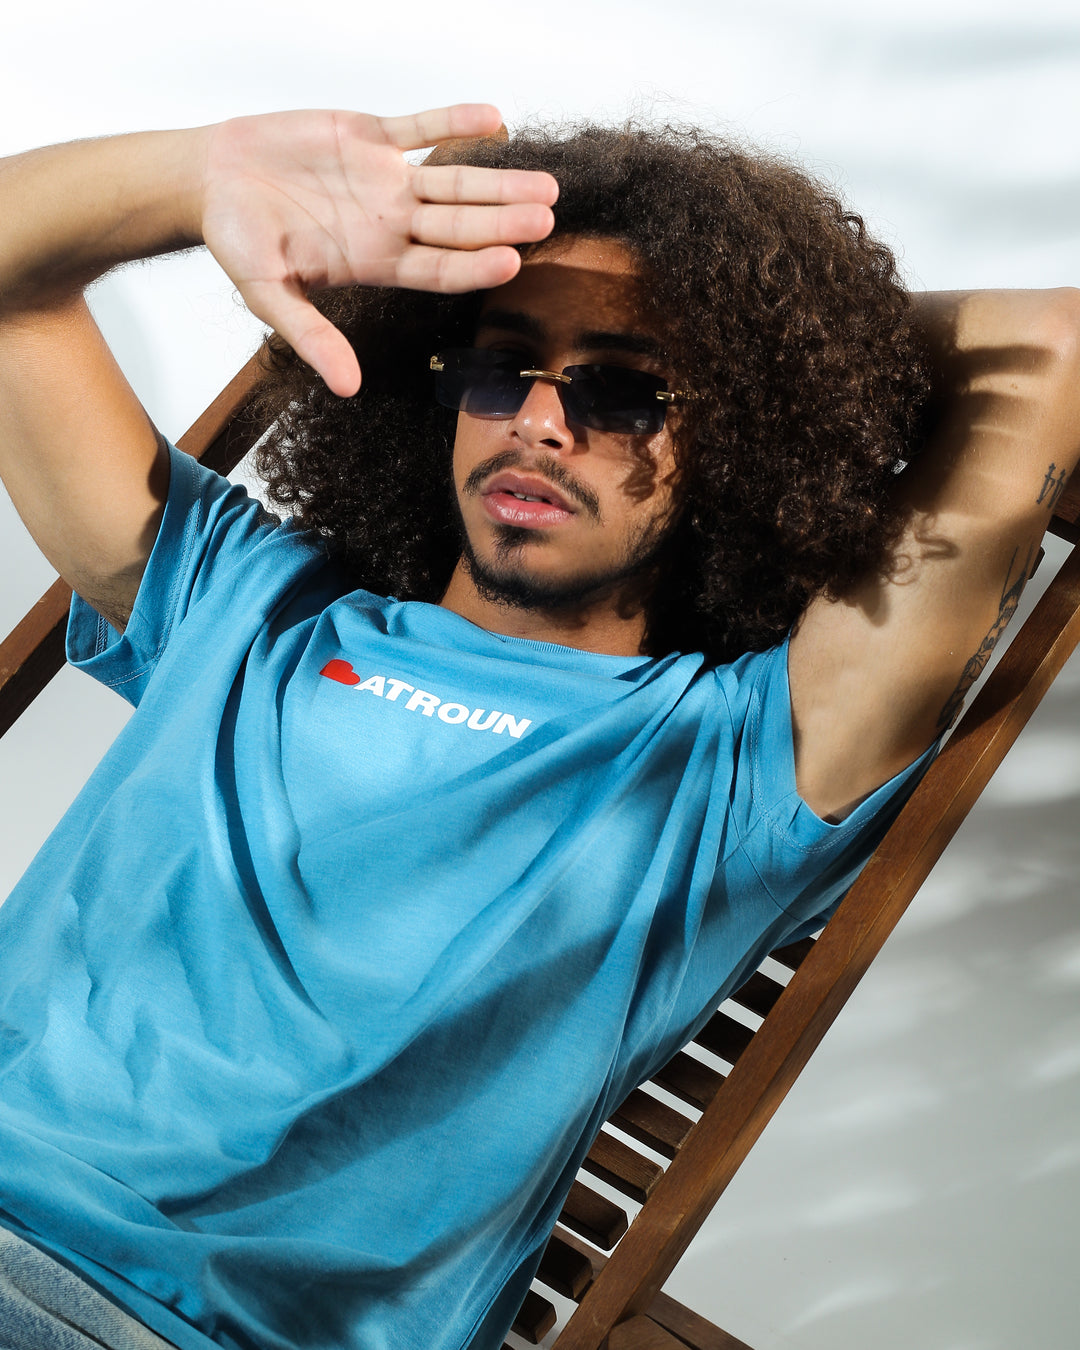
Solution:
(620, 1301)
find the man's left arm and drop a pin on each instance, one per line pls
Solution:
(878, 675)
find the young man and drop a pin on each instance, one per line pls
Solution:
(289, 996)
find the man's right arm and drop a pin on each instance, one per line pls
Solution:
(287, 203)
(78, 454)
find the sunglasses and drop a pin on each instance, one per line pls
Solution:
(602, 398)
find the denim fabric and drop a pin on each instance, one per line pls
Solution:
(44, 1306)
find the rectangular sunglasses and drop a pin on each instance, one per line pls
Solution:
(603, 398)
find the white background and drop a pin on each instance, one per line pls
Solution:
(920, 1187)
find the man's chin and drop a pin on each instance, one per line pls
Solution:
(511, 583)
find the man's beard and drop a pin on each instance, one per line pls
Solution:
(507, 580)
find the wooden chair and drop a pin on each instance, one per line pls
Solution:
(734, 1077)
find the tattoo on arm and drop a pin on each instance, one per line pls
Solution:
(1015, 581)
(1052, 487)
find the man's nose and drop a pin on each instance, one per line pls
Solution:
(541, 419)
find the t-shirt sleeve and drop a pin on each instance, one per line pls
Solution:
(209, 527)
(805, 862)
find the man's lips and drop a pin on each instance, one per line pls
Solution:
(521, 499)
(526, 485)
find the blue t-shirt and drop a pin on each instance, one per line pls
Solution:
(312, 1003)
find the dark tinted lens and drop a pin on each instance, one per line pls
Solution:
(485, 384)
(614, 398)
(605, 398)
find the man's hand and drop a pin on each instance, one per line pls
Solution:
(295, 202)
(287, 203)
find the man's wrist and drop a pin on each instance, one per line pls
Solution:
(165, 188)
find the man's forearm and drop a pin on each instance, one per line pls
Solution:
(69, 213)
(78, 455)
(286, 203)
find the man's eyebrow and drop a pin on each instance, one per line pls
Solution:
(511, 321)
(514, 321)
(640, 344)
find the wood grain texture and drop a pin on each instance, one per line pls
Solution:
(594, 1216)
(567, 1266)
(641, 1333)
(622, 1167)
(725, 1037)
(32, 653)
(686, 1077)
(691, 1328)
(758, 994)
(652, 1122)
(535, 1318)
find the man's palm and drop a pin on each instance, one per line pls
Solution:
(296, 202)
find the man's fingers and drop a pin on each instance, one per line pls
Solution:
(473, 227)
(312, 337)
(419, 130)
(452, 271)
(452, 183)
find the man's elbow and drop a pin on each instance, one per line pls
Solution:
(1056, 331)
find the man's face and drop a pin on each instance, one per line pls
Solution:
(556, 514)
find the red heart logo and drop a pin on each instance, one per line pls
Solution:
(341, 671)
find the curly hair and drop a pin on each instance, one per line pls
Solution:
(788, 320)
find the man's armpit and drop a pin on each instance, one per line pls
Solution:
(113, 600)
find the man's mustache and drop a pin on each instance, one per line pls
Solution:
(557, 474)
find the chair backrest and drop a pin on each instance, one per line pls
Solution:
(738, 1070)
(622, 1306)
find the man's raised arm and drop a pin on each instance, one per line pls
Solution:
(875, 677)
(287, 203)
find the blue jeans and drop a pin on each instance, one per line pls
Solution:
(45, 1306)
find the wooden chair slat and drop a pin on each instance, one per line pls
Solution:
(724, 1037)
(221, 435)
(621, 1167)
(642, 1333)
(32, 653)
(758, 994)
(652, 1122)
(687, 1078)
(565, 1267)
(535, 1318)
(794, 953)
(597, 1260)
(595, 1217)
(690, 1327)
(622, 1306)
(696, 1178)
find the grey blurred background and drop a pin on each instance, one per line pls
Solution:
(920, 1187)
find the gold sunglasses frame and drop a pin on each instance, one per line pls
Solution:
(668, 396)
